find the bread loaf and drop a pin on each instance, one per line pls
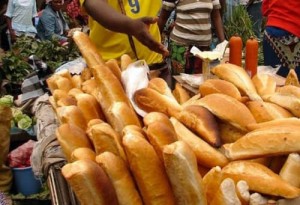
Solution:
(119, 174)
(259, 178)
(72, 115)
(83, 153)
(76, 81)
(192, 100)
(74, 91)
(181, 167)
(202, 122)
(150, 100)
(289, 90)
(152, 117)
(238, 76)
(180, 94)
(211, 86)
(206, 155)
(211, 182)
(291, 169)
(114, 67)
(228, 109)
(226, 194)
(135, 130)
(148, 171)
(264, 84)
(71, 137)
(67, 101)
(161, 86)
(292, 78)
(229, 133)
(267, 141)
(64, 84)
(86, 74)
(125, 61)
(276, 122)
(90, 183)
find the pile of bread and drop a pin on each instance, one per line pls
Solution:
(236, 142)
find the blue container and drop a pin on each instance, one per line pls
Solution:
(25, 181)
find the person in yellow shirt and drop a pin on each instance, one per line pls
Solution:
(112, 23)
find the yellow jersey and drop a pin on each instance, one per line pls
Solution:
(112, 45)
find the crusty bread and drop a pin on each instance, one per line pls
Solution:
(291, 169)
(259, 178)
(148, 171)
(59, 94)
(267, 111)
(267, 141)
(64, 84)
(89, 107)
(74, 91)
(120, 176)
(135, 130)
(289, 90)
(51, 83)
(276, 122)
(156, 116)
(229, 133)
(72, 115)
(211, 182)
(88, 49)
(105, 138)
(228, 109)
(192, 100)
(83, 153)
(125, 61)
(219, 86)
(292, 78)
(159, 134)
(238, 76)
(226, 194)
(150, 100)
(161, 86)
(86, 74)
(114, 67)
(90, 183)
(181, 167)
(287, 101)
(71, 137)
(206, 155)
(201, 121)
(265, 84)
(69, 100)
(76, 81)
(180, 94)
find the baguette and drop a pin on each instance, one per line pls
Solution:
(228, 109)
(211, 182)
(86, 74)
(264, 142)
(125, 61)
(64, 83)
(292, 78)
(71, 137)
(114, 67)
(181, 167)
(291, 169)
(226, 194)
(229, 133)
(161, 86)
(211, 86)
(83, 153)
(206, 155)
(180, 94)
(265, 84)
(157, 117)
(72, 115)
(67, 101)
(277, 122)
(259, 178)
(289, 90)
(90, 183)
(239, 77)
(119, 174)
(148, 171)
(192, 100)
(76, 81)
(202, 122)
(74, 91)
(135, 130)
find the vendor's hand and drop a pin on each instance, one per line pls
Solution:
(140, 30)
(13, 36)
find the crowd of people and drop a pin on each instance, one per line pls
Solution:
(135, 27)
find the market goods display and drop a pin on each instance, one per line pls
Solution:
(208, 149)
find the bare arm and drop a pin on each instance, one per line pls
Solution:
(163, 17)
(217, 21)
(105, 15)
(10, 29)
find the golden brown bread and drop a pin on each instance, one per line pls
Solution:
(64, 73)
(292, 78)
(238, 76)
(206, 155)
(266, 111)
(86, 74)
(89, 107)
(291, 169)
(180, 94)
(114, 67)
(289, 90)
(181, 167)
(228, 109)
(150, 100)
(51, 83)
(148, 171)
(277, 122)
(74, 91)
(226, 194)
(265, 84)
(211, 182)
(76, 81)
(202, 122)
(259, 178)
(159, 134)
(59, 94)
(267, 141)
(125, 61)
(229, 133)
(71, 137)
(90, 183)
(88, 49)
(120, 176)
(211, 86)
(105, 138)
(69, 100)
(64, 84)
(72, 115)
(192, 100)
(83, 153)
(161, 86)
(133, 129)
(156, 116)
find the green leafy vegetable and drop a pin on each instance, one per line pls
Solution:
(7, 100)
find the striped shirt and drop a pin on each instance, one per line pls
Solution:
(193, 21)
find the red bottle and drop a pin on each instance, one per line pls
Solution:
(251, 59)
(235, 50)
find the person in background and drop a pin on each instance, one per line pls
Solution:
(52, 23)
(281, 42)
(255, 14)
(193, 27)
(74, 12)
(20, 19)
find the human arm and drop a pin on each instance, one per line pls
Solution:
(8, 15)
(218, 24)
(109, 18)
(163, 17)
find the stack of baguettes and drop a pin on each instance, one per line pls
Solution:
(236, 142)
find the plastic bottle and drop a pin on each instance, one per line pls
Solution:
(251, 58)
(235, 50)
